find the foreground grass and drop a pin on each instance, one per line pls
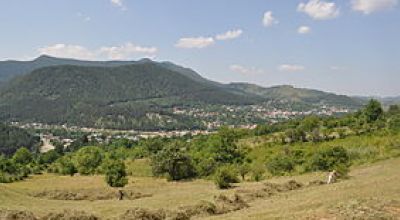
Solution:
(378, 182)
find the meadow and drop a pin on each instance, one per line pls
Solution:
(371, 191)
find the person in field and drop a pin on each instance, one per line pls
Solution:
(332, 176)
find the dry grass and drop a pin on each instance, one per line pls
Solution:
(371, 189)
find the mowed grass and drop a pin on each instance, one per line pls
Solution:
(380, 181)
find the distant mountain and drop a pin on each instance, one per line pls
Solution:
(11, 69)
(298, 95)
(132, 94)
(386, 101)
(121, 96)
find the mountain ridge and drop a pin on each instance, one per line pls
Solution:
(135, 94)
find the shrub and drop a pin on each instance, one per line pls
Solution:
(48, 157)
(243, 170)
(225, 176)
(87, 160)
(280, 164)
(115, 173)
(174, 161)
(330, 158)
(23, 156)
(257, 172)
(65, 166)
(373, 111)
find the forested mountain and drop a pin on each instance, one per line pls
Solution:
(136, 94)
(11, 69)
(298, 95)
(122, 96)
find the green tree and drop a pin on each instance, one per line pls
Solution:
(87, 160)
(281, 164)
(49, 157)
(373, 111)
(225, 176)
(310, 123)
(330, 158)
(115, 173)
(65, 166)
(22, 156)
(174, 161)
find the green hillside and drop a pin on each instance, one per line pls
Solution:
(120, 97)
(298, 95)
(11, 69)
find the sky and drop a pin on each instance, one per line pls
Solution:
(348, 47)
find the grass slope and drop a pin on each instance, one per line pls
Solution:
(377, 183)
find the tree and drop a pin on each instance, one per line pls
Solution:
(22, 156)
(281, 164)
(87, 160)
(49, 157)
(65, 166)
(174, 161)
(115, 173)
(310, 123)
(330, 158)
(373, 111)
(225, 176)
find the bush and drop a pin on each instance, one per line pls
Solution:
(174, 161)
(65, 166)
(115, 173)
(87, 159)
(280, 164)
(257, 172)
(23, 156)
(224, 176)
(48, 157)
(243, 170)
(373, 111)
(330, 158)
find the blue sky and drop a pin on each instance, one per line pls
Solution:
(344, 46)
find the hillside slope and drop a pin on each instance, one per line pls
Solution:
(371, 192)
(122, 96)
(298, 95)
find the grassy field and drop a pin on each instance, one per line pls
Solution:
(370, 191)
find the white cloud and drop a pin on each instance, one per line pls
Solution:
(229, 35)
(118, 3)
(68, 51)
(370, 6)
(319, 10)
(304, 30)
(126, 51)
(269, 19)
(245, 70)
(122, 52)
(195, 42)
(290, 68)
